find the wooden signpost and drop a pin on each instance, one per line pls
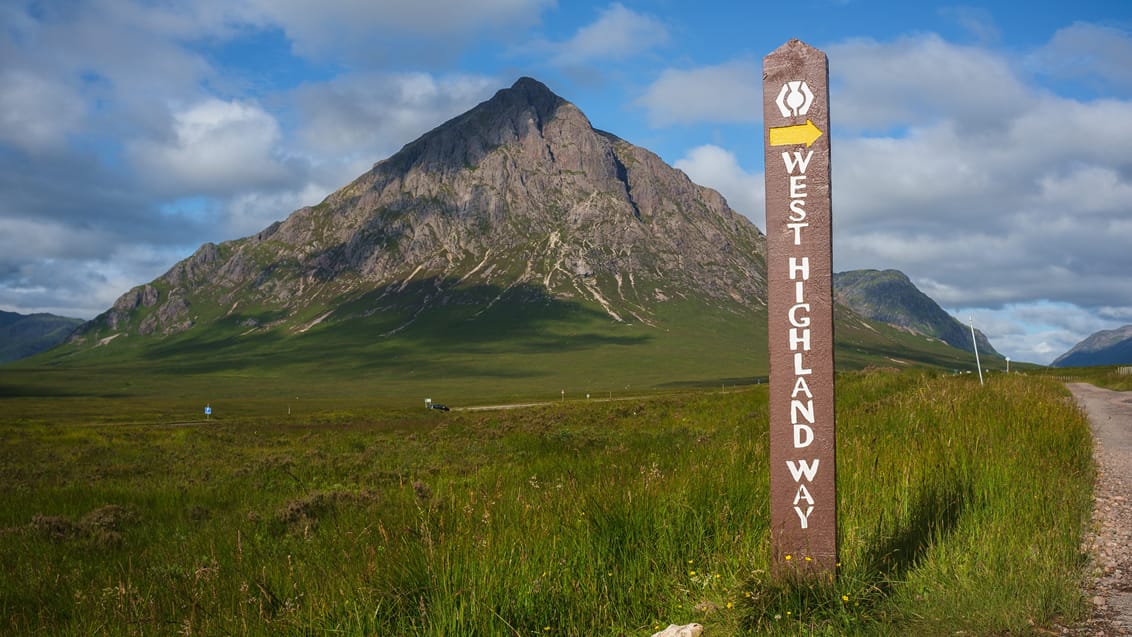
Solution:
(803, 485)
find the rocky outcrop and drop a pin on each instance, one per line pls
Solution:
(687, 630)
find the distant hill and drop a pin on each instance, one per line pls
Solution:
(22, 335)
(889, 296)
(1107, 347)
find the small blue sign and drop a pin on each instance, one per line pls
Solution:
(207, 410)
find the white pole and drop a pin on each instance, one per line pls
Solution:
(976, 344)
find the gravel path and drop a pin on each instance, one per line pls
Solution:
(1110, 543)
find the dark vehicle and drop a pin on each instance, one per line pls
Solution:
(438, 406)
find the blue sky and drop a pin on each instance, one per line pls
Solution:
(983, 149)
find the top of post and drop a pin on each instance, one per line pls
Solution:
(795, 46)
(793, 52)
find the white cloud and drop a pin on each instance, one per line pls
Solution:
(1036, 331)
(216, 148)
(919, 80)
(991, 194)
(718, 168)
(1090, 52)
(1042, 207)
(619, 33)
(1025, 198)
(387, 28)
(1086, 189)
(248, 213)
(37, 112)
(371, 115)
(729, 92)
(71, 271)
(119, 54)
(25, 239)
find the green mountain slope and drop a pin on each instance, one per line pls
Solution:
(890, 297)
(23, 335)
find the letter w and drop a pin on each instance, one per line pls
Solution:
(803, 468)
(791, 166)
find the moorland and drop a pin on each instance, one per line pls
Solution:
(962, 508)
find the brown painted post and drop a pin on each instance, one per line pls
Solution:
(803, 485)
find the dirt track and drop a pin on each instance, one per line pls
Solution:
(1110, 545)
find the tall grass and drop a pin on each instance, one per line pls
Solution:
(1113, 377)
(961, 508)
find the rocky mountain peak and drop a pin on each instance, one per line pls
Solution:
(512, 114)
(529, 92)
(518, 193)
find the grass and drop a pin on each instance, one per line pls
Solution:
(511, 351)
(962, 509)
(460, 343)
(1115, 377)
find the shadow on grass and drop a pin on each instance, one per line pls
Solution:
(432, 327)
(934, 515)
(734, 381)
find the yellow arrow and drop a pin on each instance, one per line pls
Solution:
(790, 135)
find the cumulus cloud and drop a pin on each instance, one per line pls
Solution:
(1000, 197)
(729, 92)
(352, 29)
(214, 147)
(618, 33)
(373, 114)
(1036, 332)
(1089, 52)
(921, 79)
(70, 270)
(718, 168)
(36, 112)
(1086, 190)
(250, 212)
(1023, 209)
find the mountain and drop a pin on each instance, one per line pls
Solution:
(890, 297)
(519, 193)
(514, 249)
(1107, 347)
(23, 335)
(516, 215)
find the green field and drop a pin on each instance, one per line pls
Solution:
(125, 513)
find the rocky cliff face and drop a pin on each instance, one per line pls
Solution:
(519, 193)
